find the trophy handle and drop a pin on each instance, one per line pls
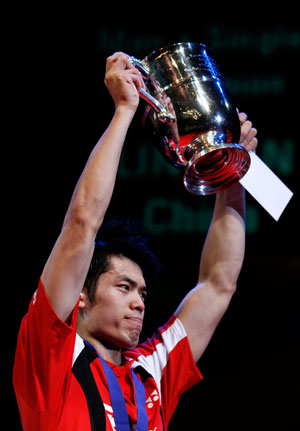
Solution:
(139, 65)
(163, 114)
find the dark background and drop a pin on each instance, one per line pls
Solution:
(56, 110)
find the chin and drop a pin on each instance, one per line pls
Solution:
(131, 342)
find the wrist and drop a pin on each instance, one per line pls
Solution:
(125, 112)
(233, 196)
(235, 191)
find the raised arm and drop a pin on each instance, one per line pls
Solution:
(221, 261)
(65, 271)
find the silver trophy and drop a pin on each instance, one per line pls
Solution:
(191, 113)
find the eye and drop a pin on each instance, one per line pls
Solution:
(123, 286)
(143, 295)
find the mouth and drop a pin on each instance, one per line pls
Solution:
(135, 321)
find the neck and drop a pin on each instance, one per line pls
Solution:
(108, 352)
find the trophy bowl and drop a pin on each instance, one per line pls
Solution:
(190, 113)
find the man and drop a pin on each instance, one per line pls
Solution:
(78, 364)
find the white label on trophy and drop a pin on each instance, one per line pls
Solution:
(272, 194)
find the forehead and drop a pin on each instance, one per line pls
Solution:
(121, 266)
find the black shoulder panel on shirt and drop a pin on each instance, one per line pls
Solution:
(82, 371)
(142, 373)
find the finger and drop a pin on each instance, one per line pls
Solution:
(245, 128)
(250, 135)
(123, 60)
(252, 145)
(129, 65)
(118, 60)
(242, 117)
(117, 55)
(250, 141)
(133, 76)
(140, 77)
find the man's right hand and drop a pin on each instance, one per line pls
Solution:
(123, 81)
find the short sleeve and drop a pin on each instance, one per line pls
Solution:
(43, 358)
(168, 358)
(180, 372)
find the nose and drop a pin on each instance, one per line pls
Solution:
(137, 302)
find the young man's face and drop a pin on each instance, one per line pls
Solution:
(115, 318)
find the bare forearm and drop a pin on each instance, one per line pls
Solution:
(68, 263)
(65, 271)
(221, 261)
(223, 252)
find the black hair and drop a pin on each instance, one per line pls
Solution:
(123, 238)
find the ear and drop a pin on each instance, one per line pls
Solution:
(83, 299)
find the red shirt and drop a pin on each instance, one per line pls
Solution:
(55, 374)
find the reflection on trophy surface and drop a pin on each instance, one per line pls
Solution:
(195, 124)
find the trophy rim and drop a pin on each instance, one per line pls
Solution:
(173, 45)
(211, 186)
